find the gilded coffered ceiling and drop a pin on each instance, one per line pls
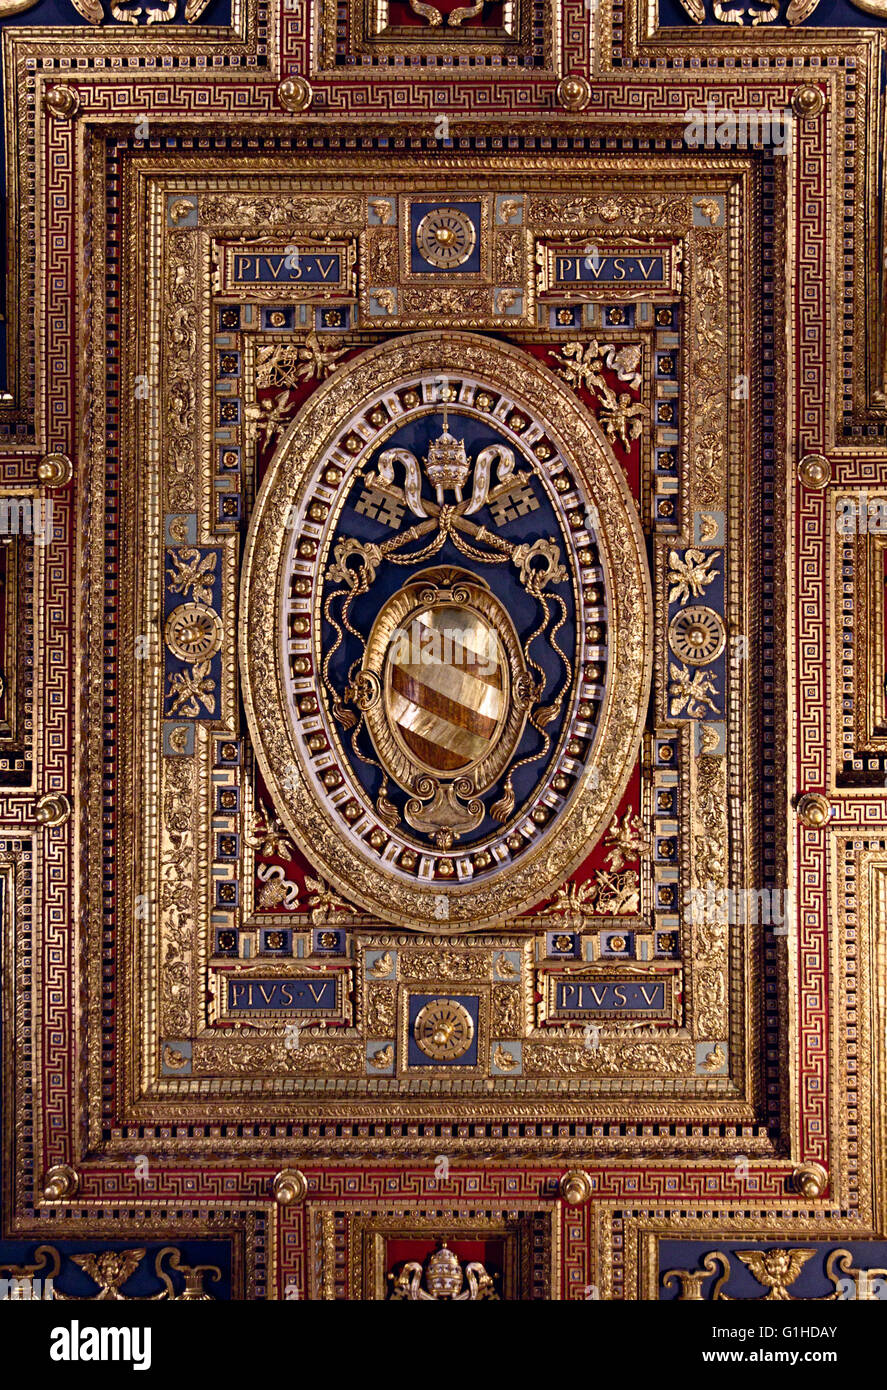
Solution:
(442, 722)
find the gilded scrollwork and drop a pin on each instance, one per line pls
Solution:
(274, 1058)
(263, 211)
(177, 906)
(632, 212)
(180, 348)
(381, 1009)
(506, 1011)
(710, 928)
(444, 965)
(777, 1270)
(609, 1058)
(707, 373)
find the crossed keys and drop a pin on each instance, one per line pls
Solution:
(447, 468)
(355, 564)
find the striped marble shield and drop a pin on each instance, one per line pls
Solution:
(447, 687)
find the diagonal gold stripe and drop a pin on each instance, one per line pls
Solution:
(459, 686)
(474, 637)
(434, 729)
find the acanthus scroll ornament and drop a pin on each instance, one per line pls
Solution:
(744, 13)
(121, 11)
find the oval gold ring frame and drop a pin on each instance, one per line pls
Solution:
(345, 860)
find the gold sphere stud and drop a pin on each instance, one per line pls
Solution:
(295, 94)
(815, 471)
(574, 92)
(576, 1187)
(289, 1187)
(52, 809)
(810, 1179)
(62, 102)
(808, 102)
(55, 470)
(814, 810)
(60, 1182)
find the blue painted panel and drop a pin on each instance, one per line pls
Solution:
(828, 13)
(812, 1281)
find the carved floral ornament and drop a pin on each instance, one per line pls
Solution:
(443, 1279)
(129, 12)
(777, 1271)
(744, 13)
(446, 710)
(123, 11)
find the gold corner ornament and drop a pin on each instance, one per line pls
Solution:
(814, 810)
(55, 470)
(576, 1187)
(60, 1183)
(52, 809)
(810, 1179)
(295, 94)
(574, 92)
(62, 102)
(815, 471)
(290, 1186)
(445, 740)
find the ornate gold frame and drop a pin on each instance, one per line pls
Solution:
(288, 478)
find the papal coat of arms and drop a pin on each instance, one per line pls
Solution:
(445, 631)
